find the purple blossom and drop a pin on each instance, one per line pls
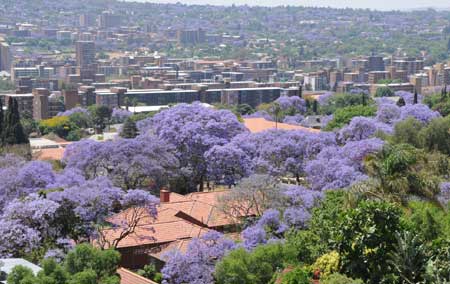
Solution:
(120, 115)
(324, 99)
(300, 196)
(420, 112)
(254, 236)
(73, 111)
(93, 201)
(24, 178)
(227, 163)
(408, 97)
(332, 174)
(129, 163)
(260, 114)
(17, 238)
(197, 264)
(294, 119)
(141, 198)
(296, 217)
(193, 130)
(34, 212)
(339, 167)
(291, 104)
(444, 195)
(388, 113)
(361, 128)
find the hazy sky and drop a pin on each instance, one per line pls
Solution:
(373, 4)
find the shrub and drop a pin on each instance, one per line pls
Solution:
(337, 278)
(327, 263)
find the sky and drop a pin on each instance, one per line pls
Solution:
(372, 4)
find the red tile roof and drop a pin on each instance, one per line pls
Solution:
(129, 277)
(49, 154)
(182, 218)
(260, 124)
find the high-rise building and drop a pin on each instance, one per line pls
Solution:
(87, 20)
(109, 20)
(5, 57)
(85, 53)
(191, 37)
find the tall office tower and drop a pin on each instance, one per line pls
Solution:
(5, 57)
(85, 53)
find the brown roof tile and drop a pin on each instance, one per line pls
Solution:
(260, 124)
(129, 277)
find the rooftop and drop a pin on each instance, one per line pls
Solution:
(256, 125)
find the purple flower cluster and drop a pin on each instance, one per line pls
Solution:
(339, 167)
(361, 128)
(120, 115)
(408, 97)
(294, 119)
(129, 163)
(197, 264)
(324, 99)
(444, 195)
(420, 112)
(293, 103)
(74, 110)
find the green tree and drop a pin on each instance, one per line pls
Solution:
(256, 267)
(384, 92)
(244, 109)
(337, 278)
(344, 115)
(436, 136)
(100, 116)
(409, 258)
(401, 171)
(129, 129)
(18, 273)
(84, 277)
(366, 237)
(13, 133)
(298, 275)
(407, 131)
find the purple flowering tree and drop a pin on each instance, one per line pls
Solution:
(420, 112)
(282, 153)
(196, 266)
(85, 205)
(21, 179)
(291, 105)
(294, 212)
(120, 115)
(193, 130)
(361, 128)
(444, 195)
(408, 97)
(388, 113)
(17, 239)
(227, 164)
(129, 163)
(340, 167)
(73, 111)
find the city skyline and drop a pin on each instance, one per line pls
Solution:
(383, 5)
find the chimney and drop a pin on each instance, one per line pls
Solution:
(164, 195)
